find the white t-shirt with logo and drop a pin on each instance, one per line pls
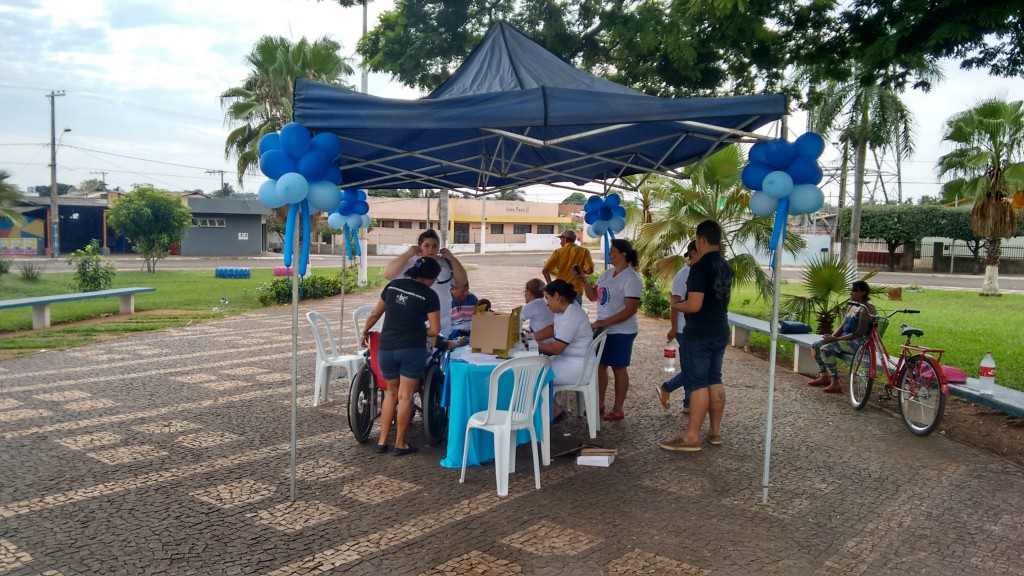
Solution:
(573, 328)
(679, 289)
(443, 287)
(612, 291)
(537, 313)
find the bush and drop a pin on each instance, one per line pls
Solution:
(280, 290)
(31, 272)
(5, 264)
(91, 273)
(654, 301)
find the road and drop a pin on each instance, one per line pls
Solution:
(928, 280)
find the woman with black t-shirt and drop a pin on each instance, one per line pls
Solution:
(408, 305)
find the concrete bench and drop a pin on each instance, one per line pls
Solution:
(1003, 399)
(41, 304)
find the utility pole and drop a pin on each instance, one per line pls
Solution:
(365, 71)
(54, 210)
(103, 179)
(221, 172)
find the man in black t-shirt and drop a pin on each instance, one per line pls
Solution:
(705, 337)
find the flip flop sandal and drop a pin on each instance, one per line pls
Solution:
(662, 396)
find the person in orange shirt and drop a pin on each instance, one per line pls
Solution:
(563, 260)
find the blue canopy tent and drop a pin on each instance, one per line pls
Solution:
(515, 115)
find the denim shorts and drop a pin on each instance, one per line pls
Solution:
(408, 362)
(618, 350)
(702, 362)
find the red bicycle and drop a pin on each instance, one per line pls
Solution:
(915, 377)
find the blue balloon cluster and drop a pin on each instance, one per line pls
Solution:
(784, 177)
(606, 216)
(350, 215)
(302, 175)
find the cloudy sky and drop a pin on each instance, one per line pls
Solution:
(142, 79)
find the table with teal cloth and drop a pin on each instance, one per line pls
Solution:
(467, 392)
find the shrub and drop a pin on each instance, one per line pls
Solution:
(91, 273)
(654, 302)
(5, 264)
(279, 291)
(31, 272)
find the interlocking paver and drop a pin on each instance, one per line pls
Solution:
(177, 462)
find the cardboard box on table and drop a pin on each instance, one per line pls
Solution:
(494, 333)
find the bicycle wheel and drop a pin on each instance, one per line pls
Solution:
(362, 404)
(920, 397)
(435, 417)
(860, 375)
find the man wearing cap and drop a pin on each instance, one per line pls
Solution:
(561, 262)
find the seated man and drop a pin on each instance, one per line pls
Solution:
(464, 304)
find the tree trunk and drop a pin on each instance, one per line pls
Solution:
(844, 172)
(860, 160)
(993, 248)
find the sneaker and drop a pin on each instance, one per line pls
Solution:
(677, 444)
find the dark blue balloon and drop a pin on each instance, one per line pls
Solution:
(779, 153)
(804, 170)
(591, 217)
(328, 143)
(345, 208)
(606, 213)
(275, 163)
(593, 203)
(313, 165)
(612, 200)
(269, 142)
(349, 195)
(754, 173)
(619, 211)
(360, 207)
(757, 152)
(333, 175)
(809, 145)
(295, 139)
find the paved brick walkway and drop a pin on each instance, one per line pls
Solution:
(168, 453)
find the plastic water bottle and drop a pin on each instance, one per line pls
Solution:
(987, 375)
(671, 365)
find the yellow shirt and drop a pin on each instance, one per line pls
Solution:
(561, 261)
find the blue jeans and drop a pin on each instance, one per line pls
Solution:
(702, 362)
(676, 382)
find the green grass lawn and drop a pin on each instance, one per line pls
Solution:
(962, 323)
(186, 295)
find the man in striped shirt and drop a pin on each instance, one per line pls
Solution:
(463, 304)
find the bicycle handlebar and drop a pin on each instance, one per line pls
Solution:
(889, 315)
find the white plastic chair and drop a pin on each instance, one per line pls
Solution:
(529, 374)
(586, 385)
(328, 354)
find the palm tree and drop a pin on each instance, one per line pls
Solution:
(988, 165)
(714, 191)
(826, 281)
(9, 194)
(511, 194)
(864, 116)
(263, 103)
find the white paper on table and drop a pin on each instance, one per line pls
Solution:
(480, 359)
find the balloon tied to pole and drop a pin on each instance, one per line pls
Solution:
(604, 217)
(784, 177)
(303, 175)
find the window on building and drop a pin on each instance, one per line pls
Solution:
(545, 228)
(423, 225)
(387, 223)
(497, 228)
(521, 229)
(405, 224)
(209, 223)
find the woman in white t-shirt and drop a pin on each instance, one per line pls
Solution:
(617, 294)
(536, 310)
(428, 245)
(570, 335)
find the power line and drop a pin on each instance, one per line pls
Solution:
(136, 158)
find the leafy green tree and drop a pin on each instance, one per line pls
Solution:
(224, 192)
(511, 194)
(898, 224)
(263, 103)
(714, 191)
(389, 193)
(575, 198)
(987, 164)
(44, 189)
(152, 220)
(9, 194)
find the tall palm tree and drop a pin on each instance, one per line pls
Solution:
(263, 103)
(987, 163)
(9, 194)
(714, 191)
(511, 194)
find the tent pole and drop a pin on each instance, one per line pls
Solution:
(776, 281)
(295, 353)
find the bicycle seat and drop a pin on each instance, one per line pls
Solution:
(911, 331)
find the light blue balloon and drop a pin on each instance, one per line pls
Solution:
(600, 228)
(354, 221)
(617, 224)
(336, 221)
(806, 199)
(323, 196)
(292, 187)
(366, 221)
(777, 184)
(591, 232)
(762, 204)
(268, 195)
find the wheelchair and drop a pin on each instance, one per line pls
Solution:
(366, 395)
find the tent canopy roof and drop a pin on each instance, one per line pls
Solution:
(514, 115)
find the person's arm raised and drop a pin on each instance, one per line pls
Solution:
(394, 268)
